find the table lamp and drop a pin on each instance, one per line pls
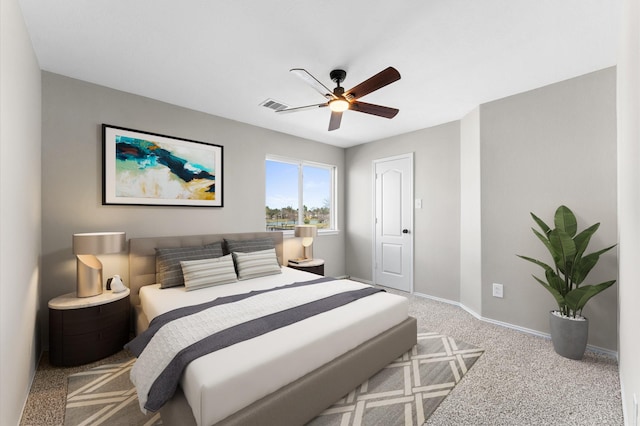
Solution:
(307, 232)
(89, 268)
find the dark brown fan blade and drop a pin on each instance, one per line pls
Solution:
(379, 110)
(313, 82)
(303, 108)
(334, 122)
(379, 80)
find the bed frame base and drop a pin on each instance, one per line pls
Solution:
(302, 400)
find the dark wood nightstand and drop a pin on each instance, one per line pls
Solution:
(315, 266)
(86, 329)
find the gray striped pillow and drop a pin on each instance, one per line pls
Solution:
(168, 270)
(246, 246)
(256, 264)
(208, 272)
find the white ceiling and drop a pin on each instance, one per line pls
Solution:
(226, 57)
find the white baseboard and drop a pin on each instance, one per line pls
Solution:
(597, 349)
(360, 280)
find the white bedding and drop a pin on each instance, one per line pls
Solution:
(221, 383)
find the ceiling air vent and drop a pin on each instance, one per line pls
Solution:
(274, 105)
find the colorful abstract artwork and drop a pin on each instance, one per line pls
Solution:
(150, 169)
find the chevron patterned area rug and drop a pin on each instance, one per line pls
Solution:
(406, 392)
(409, 389)
(105, 395)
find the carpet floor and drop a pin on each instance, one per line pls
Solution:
(519, 380)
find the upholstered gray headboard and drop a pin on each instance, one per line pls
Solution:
(142, 254)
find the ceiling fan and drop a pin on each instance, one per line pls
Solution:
(339, 100)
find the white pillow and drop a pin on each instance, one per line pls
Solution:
(256, 264)
(208, 272)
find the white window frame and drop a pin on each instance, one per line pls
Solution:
(333, 200)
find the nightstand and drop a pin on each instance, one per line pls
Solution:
(86, 329)
(315, 266)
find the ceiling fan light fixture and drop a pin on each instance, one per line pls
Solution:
(340, 100)
(338, 105)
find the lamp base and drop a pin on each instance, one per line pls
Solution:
(308, 252)
(88, 276)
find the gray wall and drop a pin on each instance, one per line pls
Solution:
(479, 179)
(19, 212)
(540, 149)
(73, 112)
(437, 182)
(629, 206)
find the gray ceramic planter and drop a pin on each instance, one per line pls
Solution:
(569, 336)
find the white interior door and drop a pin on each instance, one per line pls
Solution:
(393, 242)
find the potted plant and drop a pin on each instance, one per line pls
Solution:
(569, 329)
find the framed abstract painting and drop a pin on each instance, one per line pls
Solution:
(145, 168)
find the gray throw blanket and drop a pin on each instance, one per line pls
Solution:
(175, 338)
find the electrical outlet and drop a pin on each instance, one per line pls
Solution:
(636, 414)
(497, 290)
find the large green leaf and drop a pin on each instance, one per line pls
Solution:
(536, 261)
(556, 282)
(562, 244)
(555, 255)
(565, 220)
(541, 224)
(586, 264)
(577, 298)
(555, 293)
(582, 239)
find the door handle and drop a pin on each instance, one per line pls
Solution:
(405, 231)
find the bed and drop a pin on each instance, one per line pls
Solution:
(285, 377)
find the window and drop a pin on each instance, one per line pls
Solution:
(299, 192)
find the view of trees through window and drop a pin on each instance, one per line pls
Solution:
(298, 192)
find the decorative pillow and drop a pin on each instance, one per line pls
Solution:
(208, 272)
(256, 264)
(168, 270)
(248, 246)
